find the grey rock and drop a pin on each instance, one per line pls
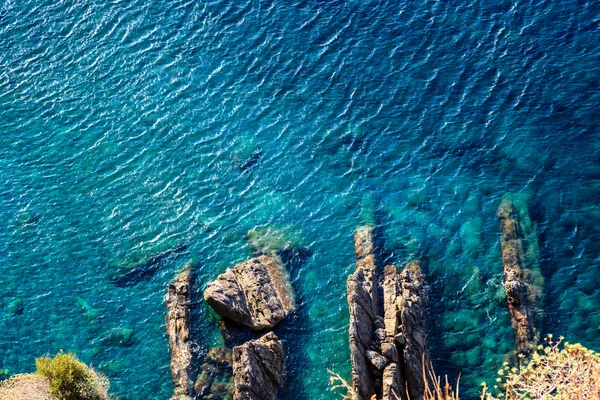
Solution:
(389, 351)
(362, 306)
(257, 368)
(413, 328)
(376, 359)
(392, 385)
(178, 330)
(256, 293)
(400, 339)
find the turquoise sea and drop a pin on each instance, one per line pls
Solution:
(130, 127)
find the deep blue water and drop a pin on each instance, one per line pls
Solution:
(131, 126)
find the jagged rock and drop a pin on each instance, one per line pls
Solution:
(257, 368)
(365, 261)
(400, 339)
(178, 330)
(363, 312)
(256, 293)
(391, 388)
(376, 359)
(389, 351)
(516, 287)
(380, 334)
(390, 295)
(399, 334)
(361, 334)
(411, 309)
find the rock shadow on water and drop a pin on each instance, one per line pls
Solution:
(145, 267)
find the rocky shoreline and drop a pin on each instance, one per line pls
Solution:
(387, 327)
(255, 294)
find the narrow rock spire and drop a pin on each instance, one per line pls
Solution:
(178, 330)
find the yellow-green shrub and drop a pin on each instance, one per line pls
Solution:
(555, 372)
(70, 379)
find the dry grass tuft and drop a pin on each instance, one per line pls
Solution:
(438, 392)
(337, 382)
(433, 391)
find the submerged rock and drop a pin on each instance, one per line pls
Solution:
(216, 378)
(89, 312)
(178, 330)
(256, 293)
(257, 368)
(519, 293)
(130, 273)
(274, 239)
(117, 337)
(15, 306)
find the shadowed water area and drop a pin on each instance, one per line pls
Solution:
(168, 129)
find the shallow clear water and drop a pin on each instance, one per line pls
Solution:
(130, 126)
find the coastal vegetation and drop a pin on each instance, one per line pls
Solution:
(556, 371)
(62, 377)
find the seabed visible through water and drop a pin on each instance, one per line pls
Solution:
(128, 128)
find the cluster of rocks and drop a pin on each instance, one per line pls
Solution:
(387, 342)
(256, 294)
(518, 290)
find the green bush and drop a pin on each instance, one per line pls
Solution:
(70, 379)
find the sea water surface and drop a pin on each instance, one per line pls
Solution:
(127, 127)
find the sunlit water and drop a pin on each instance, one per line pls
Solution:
(128, 126)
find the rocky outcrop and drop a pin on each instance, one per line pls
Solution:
(256, 293)
(362, 306)
(411, 308)
(387, 346)
(518, 290)
(257, 368)
(178, 330)
(393, 381)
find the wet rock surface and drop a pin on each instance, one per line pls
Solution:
(257, 368)
(178, 330)
(256, 293)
